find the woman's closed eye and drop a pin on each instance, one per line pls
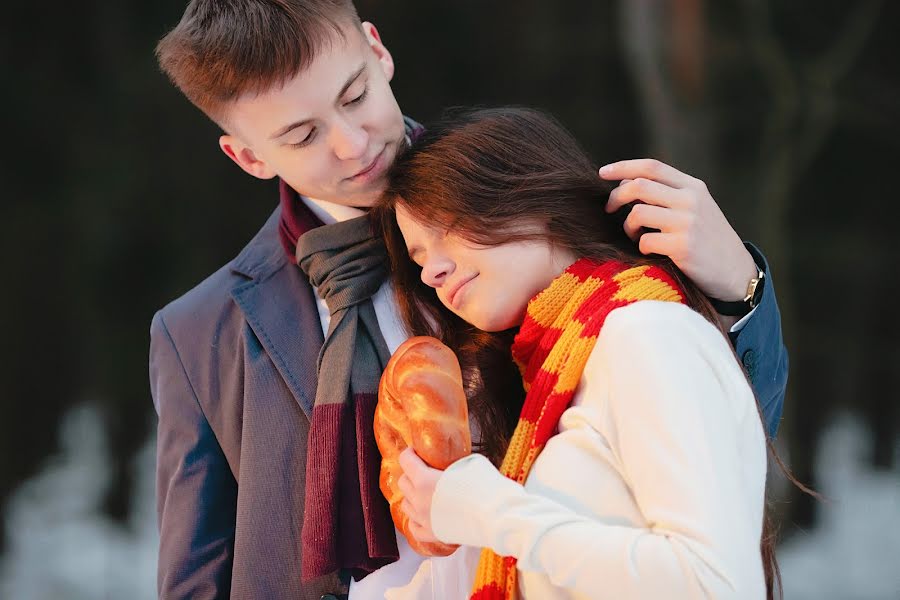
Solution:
(415, 255)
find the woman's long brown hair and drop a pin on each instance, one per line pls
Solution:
(493, 176)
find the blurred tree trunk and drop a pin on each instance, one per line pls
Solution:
(664, 44)
(801, 118)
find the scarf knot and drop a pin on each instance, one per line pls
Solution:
(344, 261)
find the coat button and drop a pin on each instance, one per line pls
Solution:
(328, 597)
(749, 360)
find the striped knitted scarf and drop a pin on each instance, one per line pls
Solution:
(559, 331)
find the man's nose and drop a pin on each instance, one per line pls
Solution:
(349, 141)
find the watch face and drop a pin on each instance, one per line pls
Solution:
(756, 290)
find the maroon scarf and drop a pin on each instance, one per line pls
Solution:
(296, 218)
(347, 523)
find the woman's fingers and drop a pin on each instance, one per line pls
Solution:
(418, 526)
(422, 533)
(409, 510)
(405, 485)
(417, 484)
(410, 462)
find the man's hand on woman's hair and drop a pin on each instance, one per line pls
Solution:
(687, 225)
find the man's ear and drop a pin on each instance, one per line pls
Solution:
(384, 56)
(245, 158)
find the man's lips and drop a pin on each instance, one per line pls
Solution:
(369, 168)
(453, 294)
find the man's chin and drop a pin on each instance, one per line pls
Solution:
(365, 198)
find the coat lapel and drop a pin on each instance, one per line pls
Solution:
(279, 305)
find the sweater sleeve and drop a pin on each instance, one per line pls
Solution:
(673, 415)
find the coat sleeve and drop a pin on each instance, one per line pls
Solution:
(760, 348)
(196, 490)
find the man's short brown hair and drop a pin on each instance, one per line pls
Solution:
(223, 49)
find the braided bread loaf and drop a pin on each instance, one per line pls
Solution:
(421, 403)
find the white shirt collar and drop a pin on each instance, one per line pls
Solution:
(330, 212)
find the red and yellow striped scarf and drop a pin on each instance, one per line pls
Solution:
(560, 329)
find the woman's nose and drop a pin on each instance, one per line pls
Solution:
(435, 272)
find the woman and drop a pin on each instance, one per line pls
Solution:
(635, 465)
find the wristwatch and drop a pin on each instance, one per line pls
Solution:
(739, 308)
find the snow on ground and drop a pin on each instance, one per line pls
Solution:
(60, 546)
(854, 551)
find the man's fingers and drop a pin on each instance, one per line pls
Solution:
(647, 191)
(612, 205)
(651, 217)
(666, 244)
(646, 168)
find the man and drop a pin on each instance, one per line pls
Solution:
(263, 374)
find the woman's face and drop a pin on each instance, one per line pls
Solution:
(488, 286)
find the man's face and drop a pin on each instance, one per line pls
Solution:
(332, 131)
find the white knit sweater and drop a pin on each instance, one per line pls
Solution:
(653, 486)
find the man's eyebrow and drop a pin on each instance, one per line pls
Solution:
(288, 128)
(353, 77)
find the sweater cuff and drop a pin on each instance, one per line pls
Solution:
(465, 496)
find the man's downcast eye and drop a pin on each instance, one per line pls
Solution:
(359, 99)
(311, 135)
(305, 141)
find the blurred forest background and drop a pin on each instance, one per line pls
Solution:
(117, 200)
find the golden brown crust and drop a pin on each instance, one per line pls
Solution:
(421, 403)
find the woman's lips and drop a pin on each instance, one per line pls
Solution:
(454, 297)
